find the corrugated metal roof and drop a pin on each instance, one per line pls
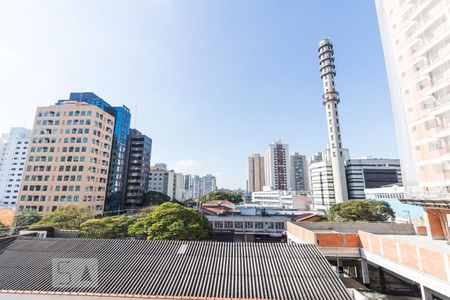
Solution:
(176, 268)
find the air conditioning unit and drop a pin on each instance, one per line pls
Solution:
(41, 234)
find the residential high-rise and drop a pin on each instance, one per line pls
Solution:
(256, 179)
(208, 184)
(276, 165)
(167, 182)
(416, 43)
(180, 193)
(68, 158)
(331, 101)
(138, 170)
(171, 184)
(299, 172)
(117, 171)
(322, 179)
(371, 173)
(158, 180)
(13, 152)
(196, 187)
(187, 182)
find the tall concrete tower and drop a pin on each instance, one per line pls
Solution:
(331, 101)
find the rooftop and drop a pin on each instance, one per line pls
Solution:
(354, 227)
(174, 269)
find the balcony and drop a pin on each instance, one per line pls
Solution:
(331, 96)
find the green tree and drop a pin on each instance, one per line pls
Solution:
(171, 221)
(3, 229)
(24, 219)
(362, 210)
(66, 217)
(107, 227)
(234, 197)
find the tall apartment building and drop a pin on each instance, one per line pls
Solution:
(180, 192)
(165, 181)
(322, 185)
(117, 171)
(322, 179)
(371, 173)
(330, 100)
(196, 186)
(13, 152)
(299, 172)
(171, 184)
(138, 170)
(256, 179)
(187, 187)
(158, 180)
(416, 43)
(68, 158)
(208, 184)
(276, 165)
(187, 181)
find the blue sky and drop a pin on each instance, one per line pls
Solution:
(211, 82)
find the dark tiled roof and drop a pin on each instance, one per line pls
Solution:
(161, 268)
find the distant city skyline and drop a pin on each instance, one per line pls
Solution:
(209, 82)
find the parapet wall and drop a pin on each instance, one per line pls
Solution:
(354, 227)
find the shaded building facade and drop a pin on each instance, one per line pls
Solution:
(299, 172)
(138, 170)
(256, 177)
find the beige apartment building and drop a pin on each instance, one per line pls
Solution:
(68, 158)
(256, 180)
(416, 42)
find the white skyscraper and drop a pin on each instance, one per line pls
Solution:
(416, 44)
(13, 152)
(208, 184)
(331, 101)
(276, 164)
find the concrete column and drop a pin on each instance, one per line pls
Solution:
(365, 272)
(436, 222)
(382, 279)
(339, 267)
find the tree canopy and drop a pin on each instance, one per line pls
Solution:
(234, 197)
(3, 229)
(107, 227)
(24, 219)
(171, 221)
(362, 210)
(66, 217)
